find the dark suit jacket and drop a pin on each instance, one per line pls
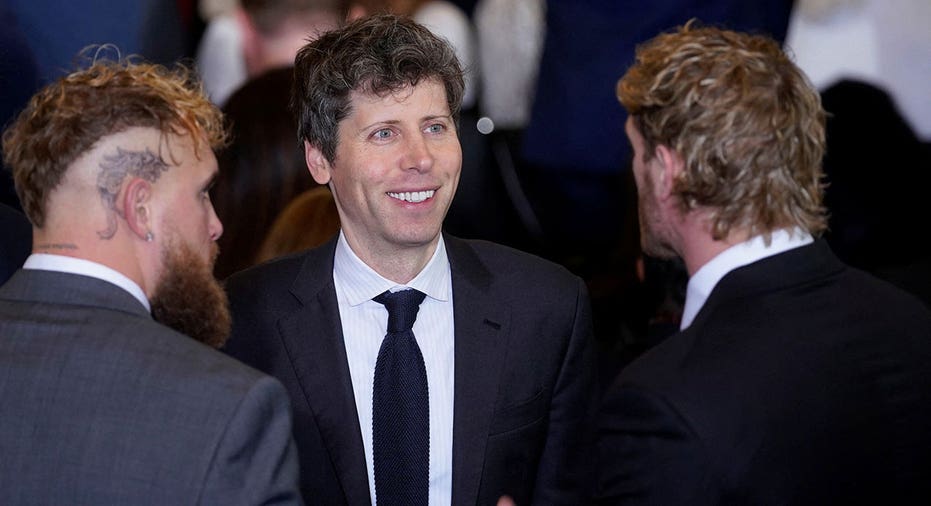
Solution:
(102, 405)
(15, 241)
(523, 373)
(800, 381)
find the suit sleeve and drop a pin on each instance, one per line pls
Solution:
(256, 460)
(566, 467)
(648, 454)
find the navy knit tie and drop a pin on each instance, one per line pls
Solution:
(400, 408)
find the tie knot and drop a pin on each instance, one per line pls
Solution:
(402, 308)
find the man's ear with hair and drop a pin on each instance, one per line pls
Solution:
(670, 165)
(317, 163)
(136, 207)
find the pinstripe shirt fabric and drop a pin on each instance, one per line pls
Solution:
(364, 323)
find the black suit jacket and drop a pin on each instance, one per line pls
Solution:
(523, 391)
(800, 381)
(99, 404)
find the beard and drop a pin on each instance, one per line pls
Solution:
(189, 299)
(652, 239)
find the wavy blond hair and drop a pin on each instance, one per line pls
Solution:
(66, 118)
(746, 121)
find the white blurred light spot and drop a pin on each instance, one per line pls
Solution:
(485, 125)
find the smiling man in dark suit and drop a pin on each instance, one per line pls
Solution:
(102, 403)
(795, 379)
(500, 345)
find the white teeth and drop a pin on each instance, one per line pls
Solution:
(412, 196)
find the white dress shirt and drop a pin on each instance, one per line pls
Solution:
(706, 278)
(71, 265)
(365, 323)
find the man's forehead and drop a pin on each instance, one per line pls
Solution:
(423, 100)
(365, 93)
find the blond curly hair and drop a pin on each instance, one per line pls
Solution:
(66, 118)
(744, 118)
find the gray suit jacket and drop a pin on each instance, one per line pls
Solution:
(102, 405)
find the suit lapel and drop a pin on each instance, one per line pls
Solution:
(482, 326)
(313, 336)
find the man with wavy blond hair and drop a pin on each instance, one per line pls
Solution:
(795, 379)
(105, 400)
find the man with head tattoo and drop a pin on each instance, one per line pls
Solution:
(105, 401)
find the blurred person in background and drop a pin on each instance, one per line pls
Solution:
(872, 65)
(256, 36)
(261, 170)
(310, 220)
(263, 166)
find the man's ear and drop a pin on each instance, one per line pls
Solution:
(136, 207)
(318, 165)
(670, 165)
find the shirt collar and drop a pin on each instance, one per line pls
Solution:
(707, 277)
(71, 265)
(361, 283)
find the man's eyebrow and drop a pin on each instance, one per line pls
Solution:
(374, 124)
(438, 116)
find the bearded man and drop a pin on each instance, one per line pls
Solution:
(102, 404)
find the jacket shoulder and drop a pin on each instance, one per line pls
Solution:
(506, 263)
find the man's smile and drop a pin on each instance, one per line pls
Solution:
(417, 196)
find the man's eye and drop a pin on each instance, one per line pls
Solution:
(384, 133)
(436, 128)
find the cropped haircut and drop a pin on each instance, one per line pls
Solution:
(376, 55)
(269, 15)
(68, 117)
(746, 121)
